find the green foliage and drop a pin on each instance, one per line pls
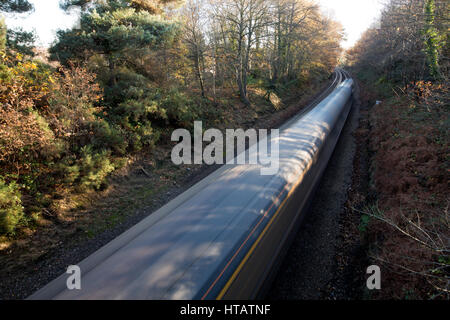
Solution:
(66, 128)
(67, 4)
(15, 6)
(181, 109)
(110, 28)
(408, 45)
(365, 219)
(93, 168)
(25, 135)
(51, 134)
(432, 41)
(11, 210)
(89, 171)
(3, 33)
(117, 34)
(21, 41)
(150, 6)
(109, 136)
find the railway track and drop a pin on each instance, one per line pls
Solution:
(224, 237)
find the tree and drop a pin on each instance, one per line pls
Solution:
(408, 42)
(21, 41)
(18, 6)
(195, 41)
(18, 40)
(120, 39)
(3, 33)
(150, 6)
(243, 19)
(138, 55)
(431, 39)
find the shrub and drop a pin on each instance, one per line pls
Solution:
(108, 136)
(180, 108)
(24, 133)
(93, 168)
(73, 103)
(11, 210)
(88, 171)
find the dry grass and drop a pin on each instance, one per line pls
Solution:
(408, 228)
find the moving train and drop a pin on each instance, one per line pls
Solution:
(225, 236)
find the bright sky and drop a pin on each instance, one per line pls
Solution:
(46, 19)
(355, 15)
